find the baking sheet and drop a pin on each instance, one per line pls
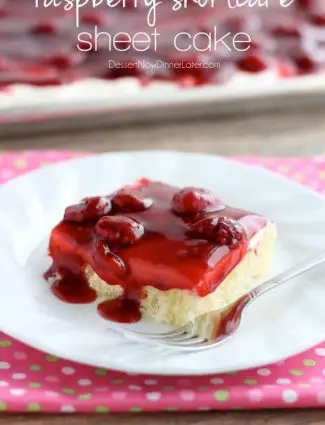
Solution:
(105, 108)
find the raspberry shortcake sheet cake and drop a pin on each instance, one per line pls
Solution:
(158, 251)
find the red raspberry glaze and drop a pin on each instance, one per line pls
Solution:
(153, 247)
(112, 310)
(67, 285)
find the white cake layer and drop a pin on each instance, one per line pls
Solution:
(20, 95)
(178, 307)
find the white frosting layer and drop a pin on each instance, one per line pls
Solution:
(258, 237)
(112, 91)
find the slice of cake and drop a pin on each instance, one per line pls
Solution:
(151, 249)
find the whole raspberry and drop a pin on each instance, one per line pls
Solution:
(88, 209)
(119, 230)
(126, 200)
(192, 200)
(221, 230)
(253, 62)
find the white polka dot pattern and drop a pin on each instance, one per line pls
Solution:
(154, 396)
(283, 381)
(67, 409)
(320, 351)
(187, 395)
(68, 371)
(84, 382)
(289, 396)
(255, 395)
(263, 372)
(17, 392)
(151, 382)
(18, 376)
(321, 397)
(19, 355)
(217, 381)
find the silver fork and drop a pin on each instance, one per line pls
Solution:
(214, 328)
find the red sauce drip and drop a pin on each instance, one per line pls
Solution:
(121, 310)
(40, 43)
(229, 319)
(71, 287)
(166, 256)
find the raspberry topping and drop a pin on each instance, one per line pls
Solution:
(60, 60)
(305, 4)
(44, 28)
(128, 69)
(89, 209)
(92, 19)
(221, 230)
(253, 62)
(109, 266)
(191, 200)
(318, 19)
(287, 31)
(119, 230)
(305, 62)
(126, 200)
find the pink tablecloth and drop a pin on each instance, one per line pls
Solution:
(34, 381)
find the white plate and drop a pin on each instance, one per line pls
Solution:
(281, 324)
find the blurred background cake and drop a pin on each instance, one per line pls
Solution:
(48, 64)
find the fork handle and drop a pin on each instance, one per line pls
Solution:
(297, 270)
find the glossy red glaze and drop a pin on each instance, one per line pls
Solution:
(229, 319)
(70, 287)
(121, 310)
(41, 43)
(166, 255)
